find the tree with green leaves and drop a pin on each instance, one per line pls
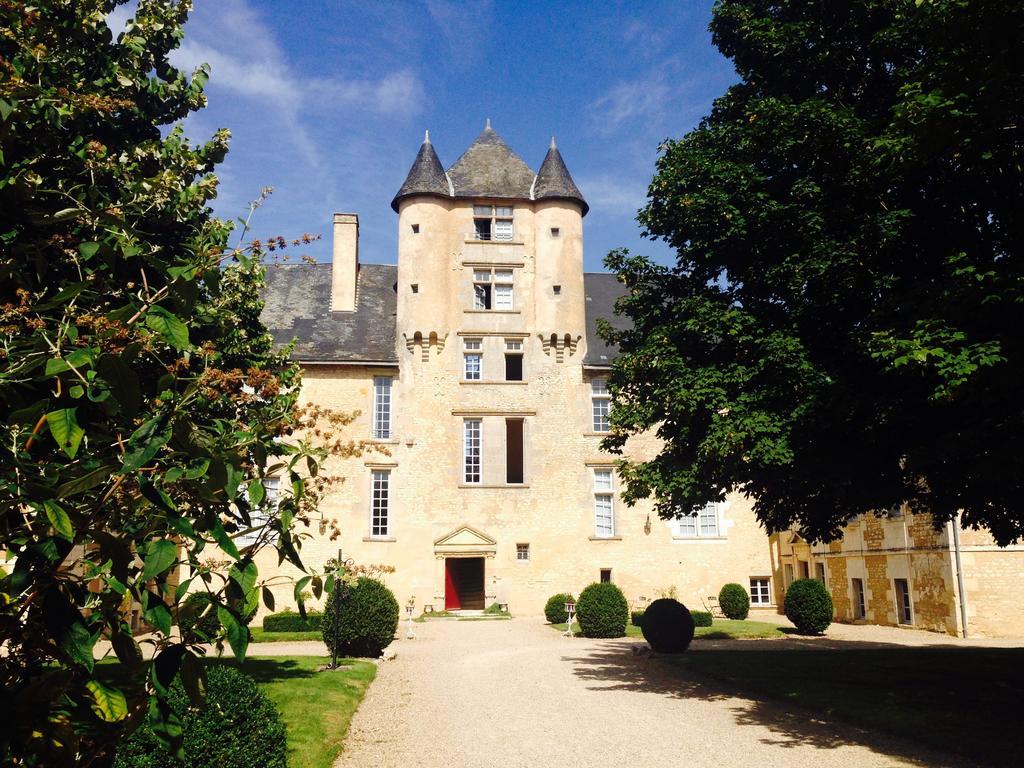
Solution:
(841, 329)
(142, 403)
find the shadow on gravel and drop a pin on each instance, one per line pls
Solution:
(895, 701)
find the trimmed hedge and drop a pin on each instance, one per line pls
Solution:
(734, 601)
(238, 727)
(554, 608)
(366, 623)
(602, 611)
(636, 618)
(809, 606)
(701, 618)
(289, 621)
(668, 626)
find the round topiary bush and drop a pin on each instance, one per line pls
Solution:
(667, 626)
(238, 727)
(602, 611)
(734, 601)
(366, 622)
(554, 608)
(809, 606)
(701, 618)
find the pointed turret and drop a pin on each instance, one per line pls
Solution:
(425, 177)
(554, 182)
(489, 168)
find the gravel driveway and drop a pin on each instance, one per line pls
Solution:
(516, 693)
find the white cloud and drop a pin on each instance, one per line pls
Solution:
(633, 99)
(464, 26)
(613, 194)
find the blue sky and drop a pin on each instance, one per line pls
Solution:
(327, 101)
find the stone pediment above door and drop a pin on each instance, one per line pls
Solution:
(465, 541)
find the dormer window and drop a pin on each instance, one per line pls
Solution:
(492, 222)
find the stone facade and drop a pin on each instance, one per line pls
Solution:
(884, 550)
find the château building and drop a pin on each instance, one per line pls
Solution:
(476, 366)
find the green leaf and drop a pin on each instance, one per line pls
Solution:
(193, 678)
(109, 704)
(88, 250)
(237, 634)
(168, 326)
(156, 613)
(79, 359)
(255, 491)
(224, 541)
(268, 599)
(160, 555)
(65, 430)
(300, 585)
(59, 520)
(5, 109)
(126, 650)
(85, 482)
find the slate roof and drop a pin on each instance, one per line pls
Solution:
(489, 169)
(298, 301)
(601, 290)
(554, 182)
(425, 177)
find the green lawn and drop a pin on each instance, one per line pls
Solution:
(722, 629)
(960, 700)
(262, 636)
(316, 706)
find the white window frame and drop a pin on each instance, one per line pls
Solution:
(860, 600)
(495, 287)
(604, 503)
(259, 516)
(696, 525)
(380, 503)
(472, 451)
(382, 387)
(500, 220)
(760, 590)
(601, 409)
(473, 360)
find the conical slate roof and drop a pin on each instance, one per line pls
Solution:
(555, 182)
(425, 177)
(489, 169)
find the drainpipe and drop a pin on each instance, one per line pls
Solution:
(959, 573)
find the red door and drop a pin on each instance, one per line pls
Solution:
(451, 589)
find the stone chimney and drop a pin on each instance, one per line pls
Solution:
(345, 262)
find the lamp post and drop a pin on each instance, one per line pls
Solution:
(409, 608)
(570, 609)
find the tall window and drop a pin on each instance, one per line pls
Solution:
(759, 592)
(904, 610)
(601, 400)
(513, 359)
(604, 509)
(492, 222)
(493, 289)
(514, 451)
(819, 571)
(382, 407)
(380, 503)
(702, 524)
(859, 611)
(473, 359)
(260, 514)
(472, 445)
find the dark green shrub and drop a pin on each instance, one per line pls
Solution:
(734, 601)
(198, 621)
(701, 618)
(366, 623)
(602, 611)
(668, 626)
(636, 618)
(809, 606)
(289, 621)
(238, 727)
(554, 609)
